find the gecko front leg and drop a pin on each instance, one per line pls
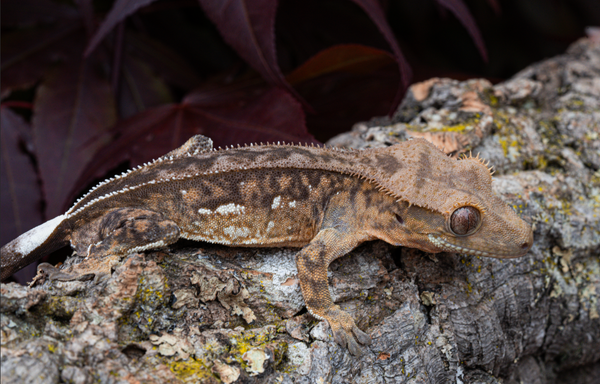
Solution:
(313, 261)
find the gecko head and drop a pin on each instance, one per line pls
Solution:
(496, 232)
(452, 206)
(467, 229)
(478, 222)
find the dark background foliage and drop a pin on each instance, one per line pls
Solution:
(90, 88)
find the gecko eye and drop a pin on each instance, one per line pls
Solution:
(464, 221)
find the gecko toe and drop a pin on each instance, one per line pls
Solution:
(339, 336)
(345, 332)
(362, 337)
(353, 346)
(345, 340)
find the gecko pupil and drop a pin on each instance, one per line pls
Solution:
(464, 220)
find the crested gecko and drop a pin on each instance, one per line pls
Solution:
(325, 200)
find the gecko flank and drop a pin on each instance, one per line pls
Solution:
(327, 201)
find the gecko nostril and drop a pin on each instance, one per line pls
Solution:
(525, 245)
(399, 218)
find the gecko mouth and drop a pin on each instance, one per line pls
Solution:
(447, 246)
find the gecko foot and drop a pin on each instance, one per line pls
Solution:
(345, 332)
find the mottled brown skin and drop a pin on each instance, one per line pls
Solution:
(324, 200)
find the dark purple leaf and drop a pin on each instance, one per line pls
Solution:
(140, 88)
(375, 12)
(120, 10)
(117, 59)
(257, 115)
(462, 13)
(329, 81)
(263, 115)
(249, 27)
(27, 54)
(331, 95)
(351, 58)
(495, 5)
(73, 110)
(164, 61)
(19, 13)
(86, 10)
(20, 192)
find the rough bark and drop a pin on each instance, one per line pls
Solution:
(210, 314)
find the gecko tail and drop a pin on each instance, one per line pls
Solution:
(31, 246)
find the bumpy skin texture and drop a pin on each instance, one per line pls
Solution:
(327, 201)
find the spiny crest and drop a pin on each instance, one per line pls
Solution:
(74, 210)
(128, 172)
(484, 162)
(284, 144)
(191, 150)
(100, 184)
